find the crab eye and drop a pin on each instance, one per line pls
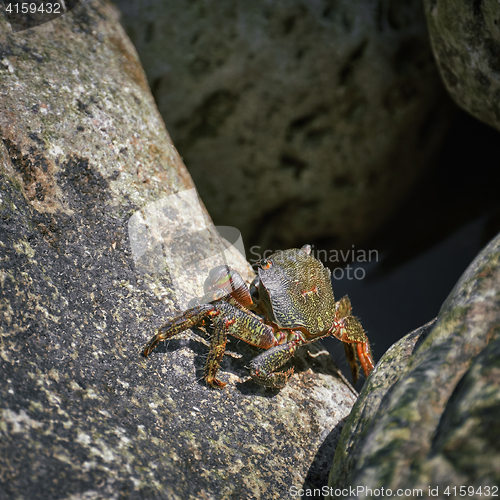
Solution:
(265, 264)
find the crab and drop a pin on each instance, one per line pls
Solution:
(289, 304)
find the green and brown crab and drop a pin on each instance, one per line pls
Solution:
(290, 303)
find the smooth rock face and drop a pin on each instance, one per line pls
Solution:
(86, 166)
(466, 42)
(435, 421)
(298, 120)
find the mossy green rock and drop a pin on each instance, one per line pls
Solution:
(428, 416)
(466, 42)
(83, 414)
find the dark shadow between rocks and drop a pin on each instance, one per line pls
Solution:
(317, 476)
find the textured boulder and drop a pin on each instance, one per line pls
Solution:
(466, 43)
(297, 120)
(428, 416)
(90, 183)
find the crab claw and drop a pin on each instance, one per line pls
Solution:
(223, 281)
(219, 278)
(276, 380)
(262, 368)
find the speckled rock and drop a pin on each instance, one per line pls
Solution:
(298, 120)
(466, 42)
(429, 414)
(86, 166)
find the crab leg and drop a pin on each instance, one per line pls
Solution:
(348, 329)
(239, 323)
(215, 355)
(365, 357)
(192, 317)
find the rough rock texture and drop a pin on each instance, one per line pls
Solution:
(298, 120)
(86, 166)
(466, 42)
(433, 422)
(360, 423)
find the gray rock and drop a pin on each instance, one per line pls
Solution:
(83, 153)
(466, 43)
(297, 120)
(429, 414)
(467, 445)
